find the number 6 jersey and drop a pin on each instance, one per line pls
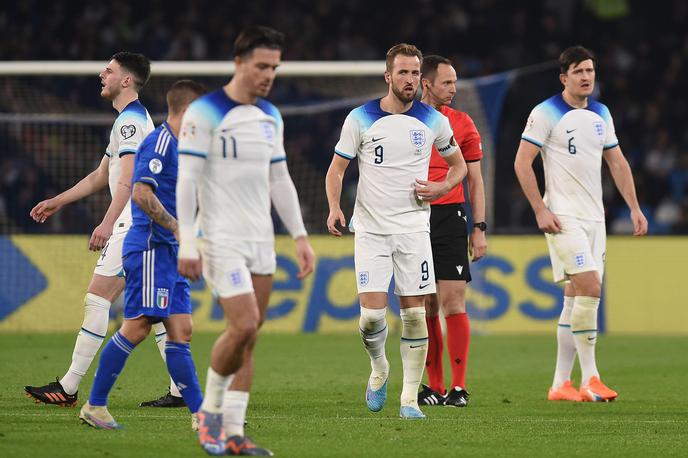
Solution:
(572, 141)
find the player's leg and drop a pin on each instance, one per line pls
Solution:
(414, 278)
(237, 396)
(179, 362)
(372, 256)
(106, 285)
(562, 389)
(452, 295)
(173, 397)
(433, 393)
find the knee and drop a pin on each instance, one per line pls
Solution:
(454, 304)
(245, 329)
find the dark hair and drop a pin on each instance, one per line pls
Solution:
(182, 93)
(430, 64)
(403, 49)
(574, 56)
(257, 37)
(136, 64)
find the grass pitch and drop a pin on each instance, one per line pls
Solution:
(308, 400)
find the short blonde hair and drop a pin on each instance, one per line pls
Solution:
(403, 49)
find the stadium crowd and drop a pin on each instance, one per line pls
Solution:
(642, 52)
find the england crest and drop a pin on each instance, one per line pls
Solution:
(162, 298)
(363, 278)
(417, 138)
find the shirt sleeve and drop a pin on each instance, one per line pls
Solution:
(130, 133)
(538, 128)
(278, 153)
(196, 133)
(469, 139)
(444, 140)
(350, 138)
(148, 165)
(610, 140)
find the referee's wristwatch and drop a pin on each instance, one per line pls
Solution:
(481, 225)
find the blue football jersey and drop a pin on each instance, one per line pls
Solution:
(156, 165)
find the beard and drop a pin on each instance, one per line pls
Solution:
(402, 95)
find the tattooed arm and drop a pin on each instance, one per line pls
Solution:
(145, 198)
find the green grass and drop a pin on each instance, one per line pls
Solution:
(308, 400)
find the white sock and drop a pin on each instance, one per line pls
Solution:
(585, 335)
(234, 412)
(90, 338)
(373, 328)
(160, 340)
(414, 349)
(566, 345)
(215, 387)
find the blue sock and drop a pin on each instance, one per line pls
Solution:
(181, 367)
(111, 363)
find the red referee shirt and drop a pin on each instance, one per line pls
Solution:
(468, 138)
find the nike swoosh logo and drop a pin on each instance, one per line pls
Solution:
(416, 346)
(99, 265)
(423, 286)
(591, 338)
(378, 139)
(569, 131)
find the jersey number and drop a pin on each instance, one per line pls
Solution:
(572, 147)
(379, 154)
(224, 147)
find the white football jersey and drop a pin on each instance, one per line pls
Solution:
(238, 142)
(132, 125)
(572, 141)
(392, 150)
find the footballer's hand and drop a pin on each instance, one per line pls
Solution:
(305, 257)
(44, 209)
(430, 190)
(336, 216)
(548, 222)
(639, 222)
(100, 236)
(190, 268)
(477, 244)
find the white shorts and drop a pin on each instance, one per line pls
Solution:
(110, 262)
(407, 256)
(227, 266)
(579, 247)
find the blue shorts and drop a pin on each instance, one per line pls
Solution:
(153, 287)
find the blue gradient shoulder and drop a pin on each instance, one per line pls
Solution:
(270, 110)
(554, 108)
(134, 112)
(600, 109)
(212, 106)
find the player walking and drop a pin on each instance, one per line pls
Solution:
(450, 241)
(392, 138)
(574, 132)
(232, 157)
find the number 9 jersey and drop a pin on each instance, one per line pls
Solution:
(392, 150)
(572, 141)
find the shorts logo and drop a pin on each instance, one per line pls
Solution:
(162, 298)
(235, 277)
(580, 259)
(459, 269)
(363, 278)
(127, 131)
(155, 165)
(417, 138)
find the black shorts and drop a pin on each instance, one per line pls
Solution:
(449, 240)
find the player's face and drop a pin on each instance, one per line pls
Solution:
(258, 70)
(404, 77)
(111, 80)
(579, 80)
(443, 87)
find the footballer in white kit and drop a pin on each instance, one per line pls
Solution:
(571, 141)
(391, 223)
(574, 132)
(132, 125)
(241, 141)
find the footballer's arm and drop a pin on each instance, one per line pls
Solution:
(333, 188)
(623, 179)
(145, 198)
(90, 184)
(103, 231)
(432, 190)
(523, 166)
(190, 171)
(476, 191)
